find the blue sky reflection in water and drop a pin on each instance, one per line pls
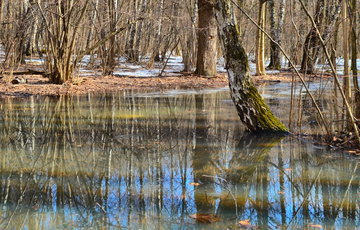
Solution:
(130, 160)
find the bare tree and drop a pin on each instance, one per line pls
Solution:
(276, 33)
(253, 111)
(260, 39)
(62, 22)
(207, 34)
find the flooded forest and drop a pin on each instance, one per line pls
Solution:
(191, 114)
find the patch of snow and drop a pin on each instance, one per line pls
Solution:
(35, 60)
(88, 72)
(175, 59)
(122, 59)
(173, 67)
(221, 69)
(87, 59)
(272, 71)
(137, 73)
(2, 50)
(339, 66)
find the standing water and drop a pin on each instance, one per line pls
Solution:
(136, 160)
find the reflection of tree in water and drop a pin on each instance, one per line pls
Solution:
(202, 161)
(123, 160)
(246, 166)
(258, 184)
(96, 157)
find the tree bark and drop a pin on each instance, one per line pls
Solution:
(347, 80)
(130, 44)
(353, 43)
(276, 32)
(252, 109)
(158, 36)
(1, 11)
(108, 61)
(260, 39)
(207, 55)
(345, 41)
(139, 34)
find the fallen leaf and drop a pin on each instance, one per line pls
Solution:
(244, 223)
(315, 226)
(205, 218)
(195, 184)
(351, 151)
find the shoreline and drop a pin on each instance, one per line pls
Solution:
(36, 85)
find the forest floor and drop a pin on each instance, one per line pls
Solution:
(38, 85)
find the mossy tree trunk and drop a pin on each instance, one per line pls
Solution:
(207, 55)
(252, 109)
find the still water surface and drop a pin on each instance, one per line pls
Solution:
(136, 160)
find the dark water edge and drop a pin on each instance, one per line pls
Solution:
(140, 160)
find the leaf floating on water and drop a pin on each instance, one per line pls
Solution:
(315, 226)
(205, 218)
(195, 184)
(245, 223)
(281, 192)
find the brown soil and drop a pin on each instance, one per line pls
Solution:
(38, 85)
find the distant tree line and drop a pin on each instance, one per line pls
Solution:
(67, 30)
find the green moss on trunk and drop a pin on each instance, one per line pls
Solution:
(251, 107)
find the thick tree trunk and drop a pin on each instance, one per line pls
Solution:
(253, 111)
(260, 39)
(158, 37)
(109, 49)
(139, 35)
(207, 55)
(347, 80)
(1, 10)
(353, 43)
(345, 41)
(130, 45)
(276, 32)
(353, 37)
(188, 44)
